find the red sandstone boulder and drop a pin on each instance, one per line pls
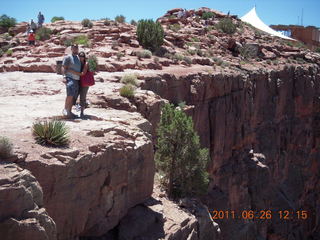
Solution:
(22, 215)
(174, 10)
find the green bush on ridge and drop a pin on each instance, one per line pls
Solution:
(55, 18)
(150, 34)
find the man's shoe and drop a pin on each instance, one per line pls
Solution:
(64, 112)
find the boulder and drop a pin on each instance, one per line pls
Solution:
(174, 10)
(22, 216)
(19, 28)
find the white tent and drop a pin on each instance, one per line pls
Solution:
(253, 19)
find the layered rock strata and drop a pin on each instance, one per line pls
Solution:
(262, 131)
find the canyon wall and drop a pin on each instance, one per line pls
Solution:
(262, 128)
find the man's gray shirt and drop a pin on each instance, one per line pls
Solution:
(73, 63)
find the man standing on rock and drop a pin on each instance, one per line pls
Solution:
(71, 63)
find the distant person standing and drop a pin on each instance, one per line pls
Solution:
(31, 38)
(33, 25)
(40, 19)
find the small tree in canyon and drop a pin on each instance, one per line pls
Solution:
(179, 157)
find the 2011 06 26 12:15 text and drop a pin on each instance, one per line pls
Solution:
(259, 215)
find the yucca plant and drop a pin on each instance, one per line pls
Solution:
(52, 132)
(5, 147)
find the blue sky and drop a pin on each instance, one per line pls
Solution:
(270, 11)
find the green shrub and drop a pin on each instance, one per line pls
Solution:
(81, 40)
(178, 57)
(156, 60)
(107, 22)
(317, 50)
(210, 28)
(9, 52)
(133, 22)
(55, 18)
(144, 54)
(207, 15)
(194, 39)
(200, 53)
(52, 132)
(1, 52)
(7, 36)
(7, 22)
(168, 55)
(127, 91)
(188, 60)
(129, 79)
(179, 157)
(227, 26)
(150, 34)
(120, 19)
(93, 63)
(87, 23)
(68, 42)
(43, 33)
(120, 55)
(191, 51)
(218, 61)
(175, 27)
(5, 147)
(296, 44)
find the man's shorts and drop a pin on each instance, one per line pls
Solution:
(72, 87)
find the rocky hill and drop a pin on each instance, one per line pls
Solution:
(255, 103)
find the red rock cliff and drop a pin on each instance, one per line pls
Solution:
(262, 129)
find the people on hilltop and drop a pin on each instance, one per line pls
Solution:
(71, 65)
(31, 38)
(40, 19)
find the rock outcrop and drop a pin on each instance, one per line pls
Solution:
(107, 169)
(22, 215)
(160, 218)
(261, 128)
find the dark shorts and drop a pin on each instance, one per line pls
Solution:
(31, 42)
(72, 87)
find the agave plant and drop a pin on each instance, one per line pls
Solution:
(51, 133)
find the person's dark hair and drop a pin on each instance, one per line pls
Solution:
(82, 54)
